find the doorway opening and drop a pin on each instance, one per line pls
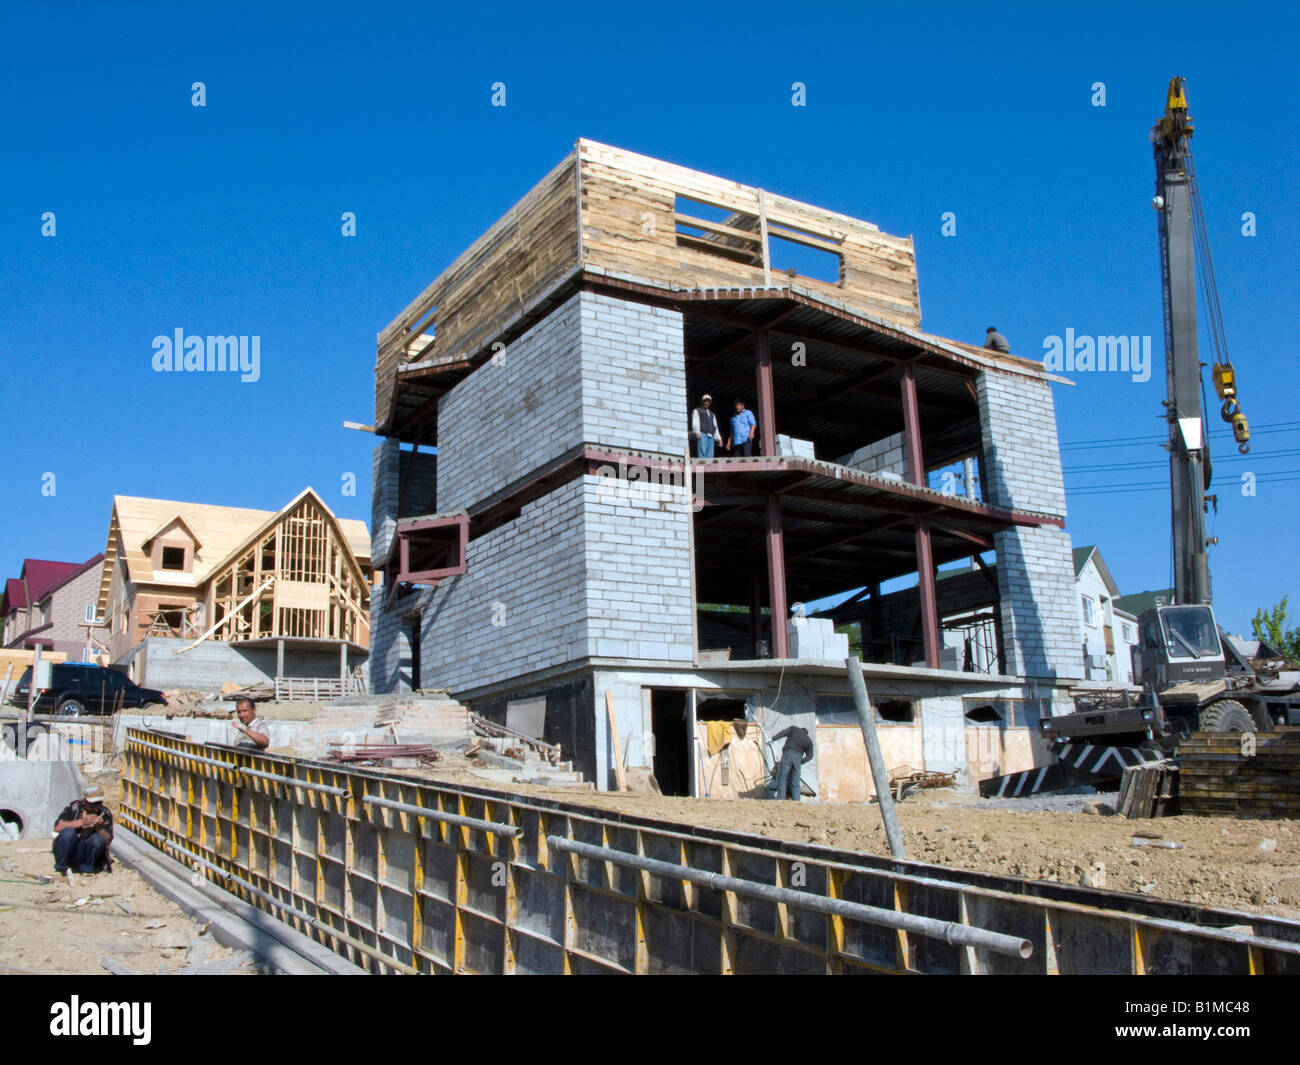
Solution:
(408, 665)
(672, 757)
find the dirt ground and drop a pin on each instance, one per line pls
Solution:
(69, 928)
(1220, 864)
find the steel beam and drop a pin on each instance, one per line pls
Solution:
(766, 392)
(777, 604)
(912, 428)
(929, 600)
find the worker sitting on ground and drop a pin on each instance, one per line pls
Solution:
(995, 341)
(84, 831)
(704, 428)
(743, 430)
(257, 734)
(798, 750)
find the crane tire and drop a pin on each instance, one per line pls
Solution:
(1226, 715)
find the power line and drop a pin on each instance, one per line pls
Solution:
(1123, 441)
(1088, 468)
(1272, 477)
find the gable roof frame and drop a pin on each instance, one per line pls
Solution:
(278, 517)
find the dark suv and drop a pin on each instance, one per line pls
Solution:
(78, 688)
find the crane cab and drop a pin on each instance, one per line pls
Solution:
(1178, 644)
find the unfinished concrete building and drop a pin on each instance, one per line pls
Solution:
(553, 556)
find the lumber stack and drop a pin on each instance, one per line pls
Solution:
(1219, 775)
(1148, 790)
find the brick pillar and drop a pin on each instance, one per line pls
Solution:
(1021, 467)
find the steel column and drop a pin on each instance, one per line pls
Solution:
(776, 578)
(912, 428)
(766, 393)
(926, 588)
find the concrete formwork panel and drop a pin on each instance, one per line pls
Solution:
(418, 876)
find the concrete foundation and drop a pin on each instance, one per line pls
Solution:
(157, 663)
(972, 725)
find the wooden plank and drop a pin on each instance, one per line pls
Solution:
(619, 776)
(1217, 778)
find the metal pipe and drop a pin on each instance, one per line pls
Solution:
(325, 789)
(495, 827)
(948, 931)
(876, 758)
(232, 766)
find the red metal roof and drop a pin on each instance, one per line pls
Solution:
(15, 597)
(40, 577)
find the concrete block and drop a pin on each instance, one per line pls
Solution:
(34, 793)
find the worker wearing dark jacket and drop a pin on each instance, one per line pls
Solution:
(798, 750)
(995, 341)
(84, 831)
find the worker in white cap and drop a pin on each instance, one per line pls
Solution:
(704, 428)
(83, 833)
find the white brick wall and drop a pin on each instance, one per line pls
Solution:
(596, 370)
(1022, 470)
(884, 456)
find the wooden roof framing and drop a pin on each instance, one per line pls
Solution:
(224, 532)
(607, 213)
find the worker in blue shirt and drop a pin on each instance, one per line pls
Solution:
(743, 429)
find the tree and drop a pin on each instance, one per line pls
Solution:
(1270, 626)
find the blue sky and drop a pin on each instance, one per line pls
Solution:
(226, 218)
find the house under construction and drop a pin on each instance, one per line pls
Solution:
(194, 595)
(553, 555)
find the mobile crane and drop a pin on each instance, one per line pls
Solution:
(1193, 678)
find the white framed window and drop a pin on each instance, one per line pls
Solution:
(1126, 631)
(90, 611)
(1089, 612)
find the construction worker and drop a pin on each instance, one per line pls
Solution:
(995, 341)
(743, 430)
(257, 733)
(704, 428)
(84, 831)
(798, 750)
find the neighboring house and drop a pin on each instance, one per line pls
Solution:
(1136, 602)
(266, 594)
(1108, 631)
(51, 605)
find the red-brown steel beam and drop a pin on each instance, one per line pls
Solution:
(776, 578)
(766, 393)
(912, 428)
(983, 542)
(929, 600)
